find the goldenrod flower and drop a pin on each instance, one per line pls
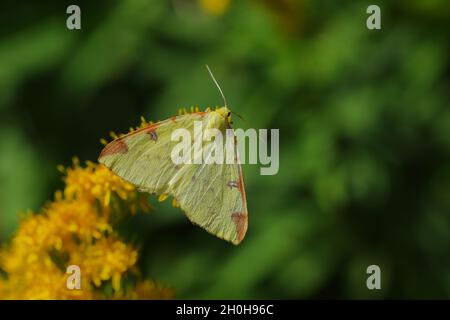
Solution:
(77, 228)
(106, 259)
(95, 182)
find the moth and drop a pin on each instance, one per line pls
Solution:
(211, 195)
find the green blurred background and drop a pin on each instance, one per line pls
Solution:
(364, 122)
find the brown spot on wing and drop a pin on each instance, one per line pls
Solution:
(240, 221)
(117, 146)
(174, 118)
(152, 134)
(233, 184)
(150, 127)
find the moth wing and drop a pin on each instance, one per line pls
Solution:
(213, 197)
(143, 157)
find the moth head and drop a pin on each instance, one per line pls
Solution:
(225, 112)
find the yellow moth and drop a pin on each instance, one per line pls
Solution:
(211, 195)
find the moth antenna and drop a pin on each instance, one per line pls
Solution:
(217, 85)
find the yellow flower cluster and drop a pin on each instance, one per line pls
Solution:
(77, 228)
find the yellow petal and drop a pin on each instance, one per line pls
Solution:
(163, 197)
